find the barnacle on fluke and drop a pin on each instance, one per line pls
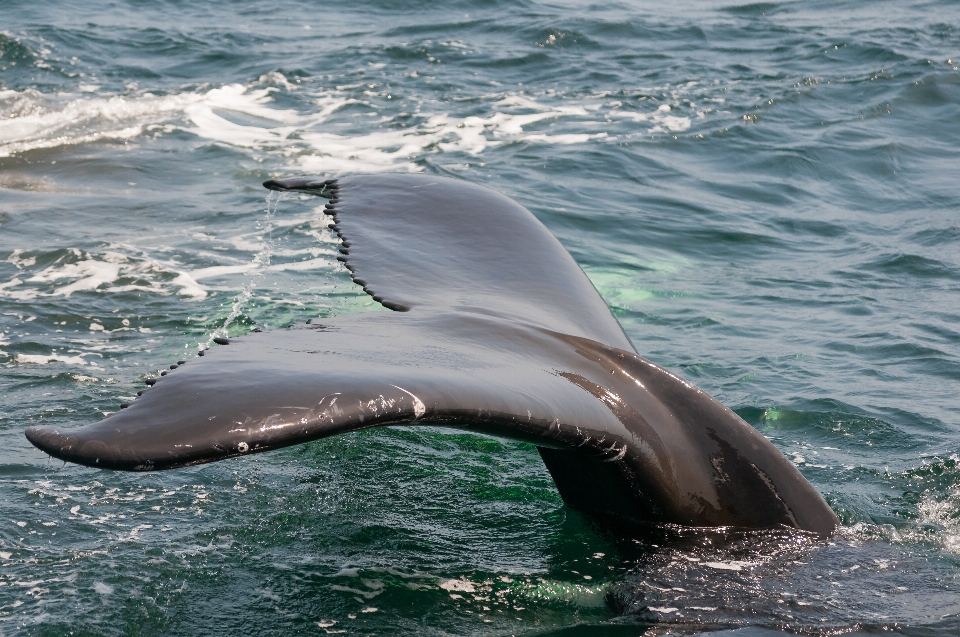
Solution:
(496, 329)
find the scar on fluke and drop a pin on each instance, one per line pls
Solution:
(495, 329)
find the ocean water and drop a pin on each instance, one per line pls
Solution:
(766, 195)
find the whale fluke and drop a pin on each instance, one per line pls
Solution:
(497, 330)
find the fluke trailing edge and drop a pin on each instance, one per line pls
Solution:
(496, 329)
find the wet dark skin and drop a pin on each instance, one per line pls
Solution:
(495, 329)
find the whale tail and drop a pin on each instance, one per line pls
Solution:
(497, 330)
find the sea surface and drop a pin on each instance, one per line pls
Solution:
(766, 195)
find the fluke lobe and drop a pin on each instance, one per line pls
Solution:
(495, 329)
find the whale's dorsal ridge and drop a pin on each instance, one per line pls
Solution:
(498, 330)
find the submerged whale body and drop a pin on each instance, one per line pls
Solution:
(496, 329)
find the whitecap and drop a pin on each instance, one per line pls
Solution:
(245, 116)
(462, 585)
(80, 270)
(39, 359)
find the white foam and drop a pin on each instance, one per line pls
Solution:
(938, 522)
(39, 359)
(661, 119)
(463, 585)
(388, 149)
(233, 114)
(123, 268)
(732, 565)
(87, 274)
(21, 262)
(230, 115)
(245, 116)
(48, 121)
(224, 270)
(79, 270)
(943, 513)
